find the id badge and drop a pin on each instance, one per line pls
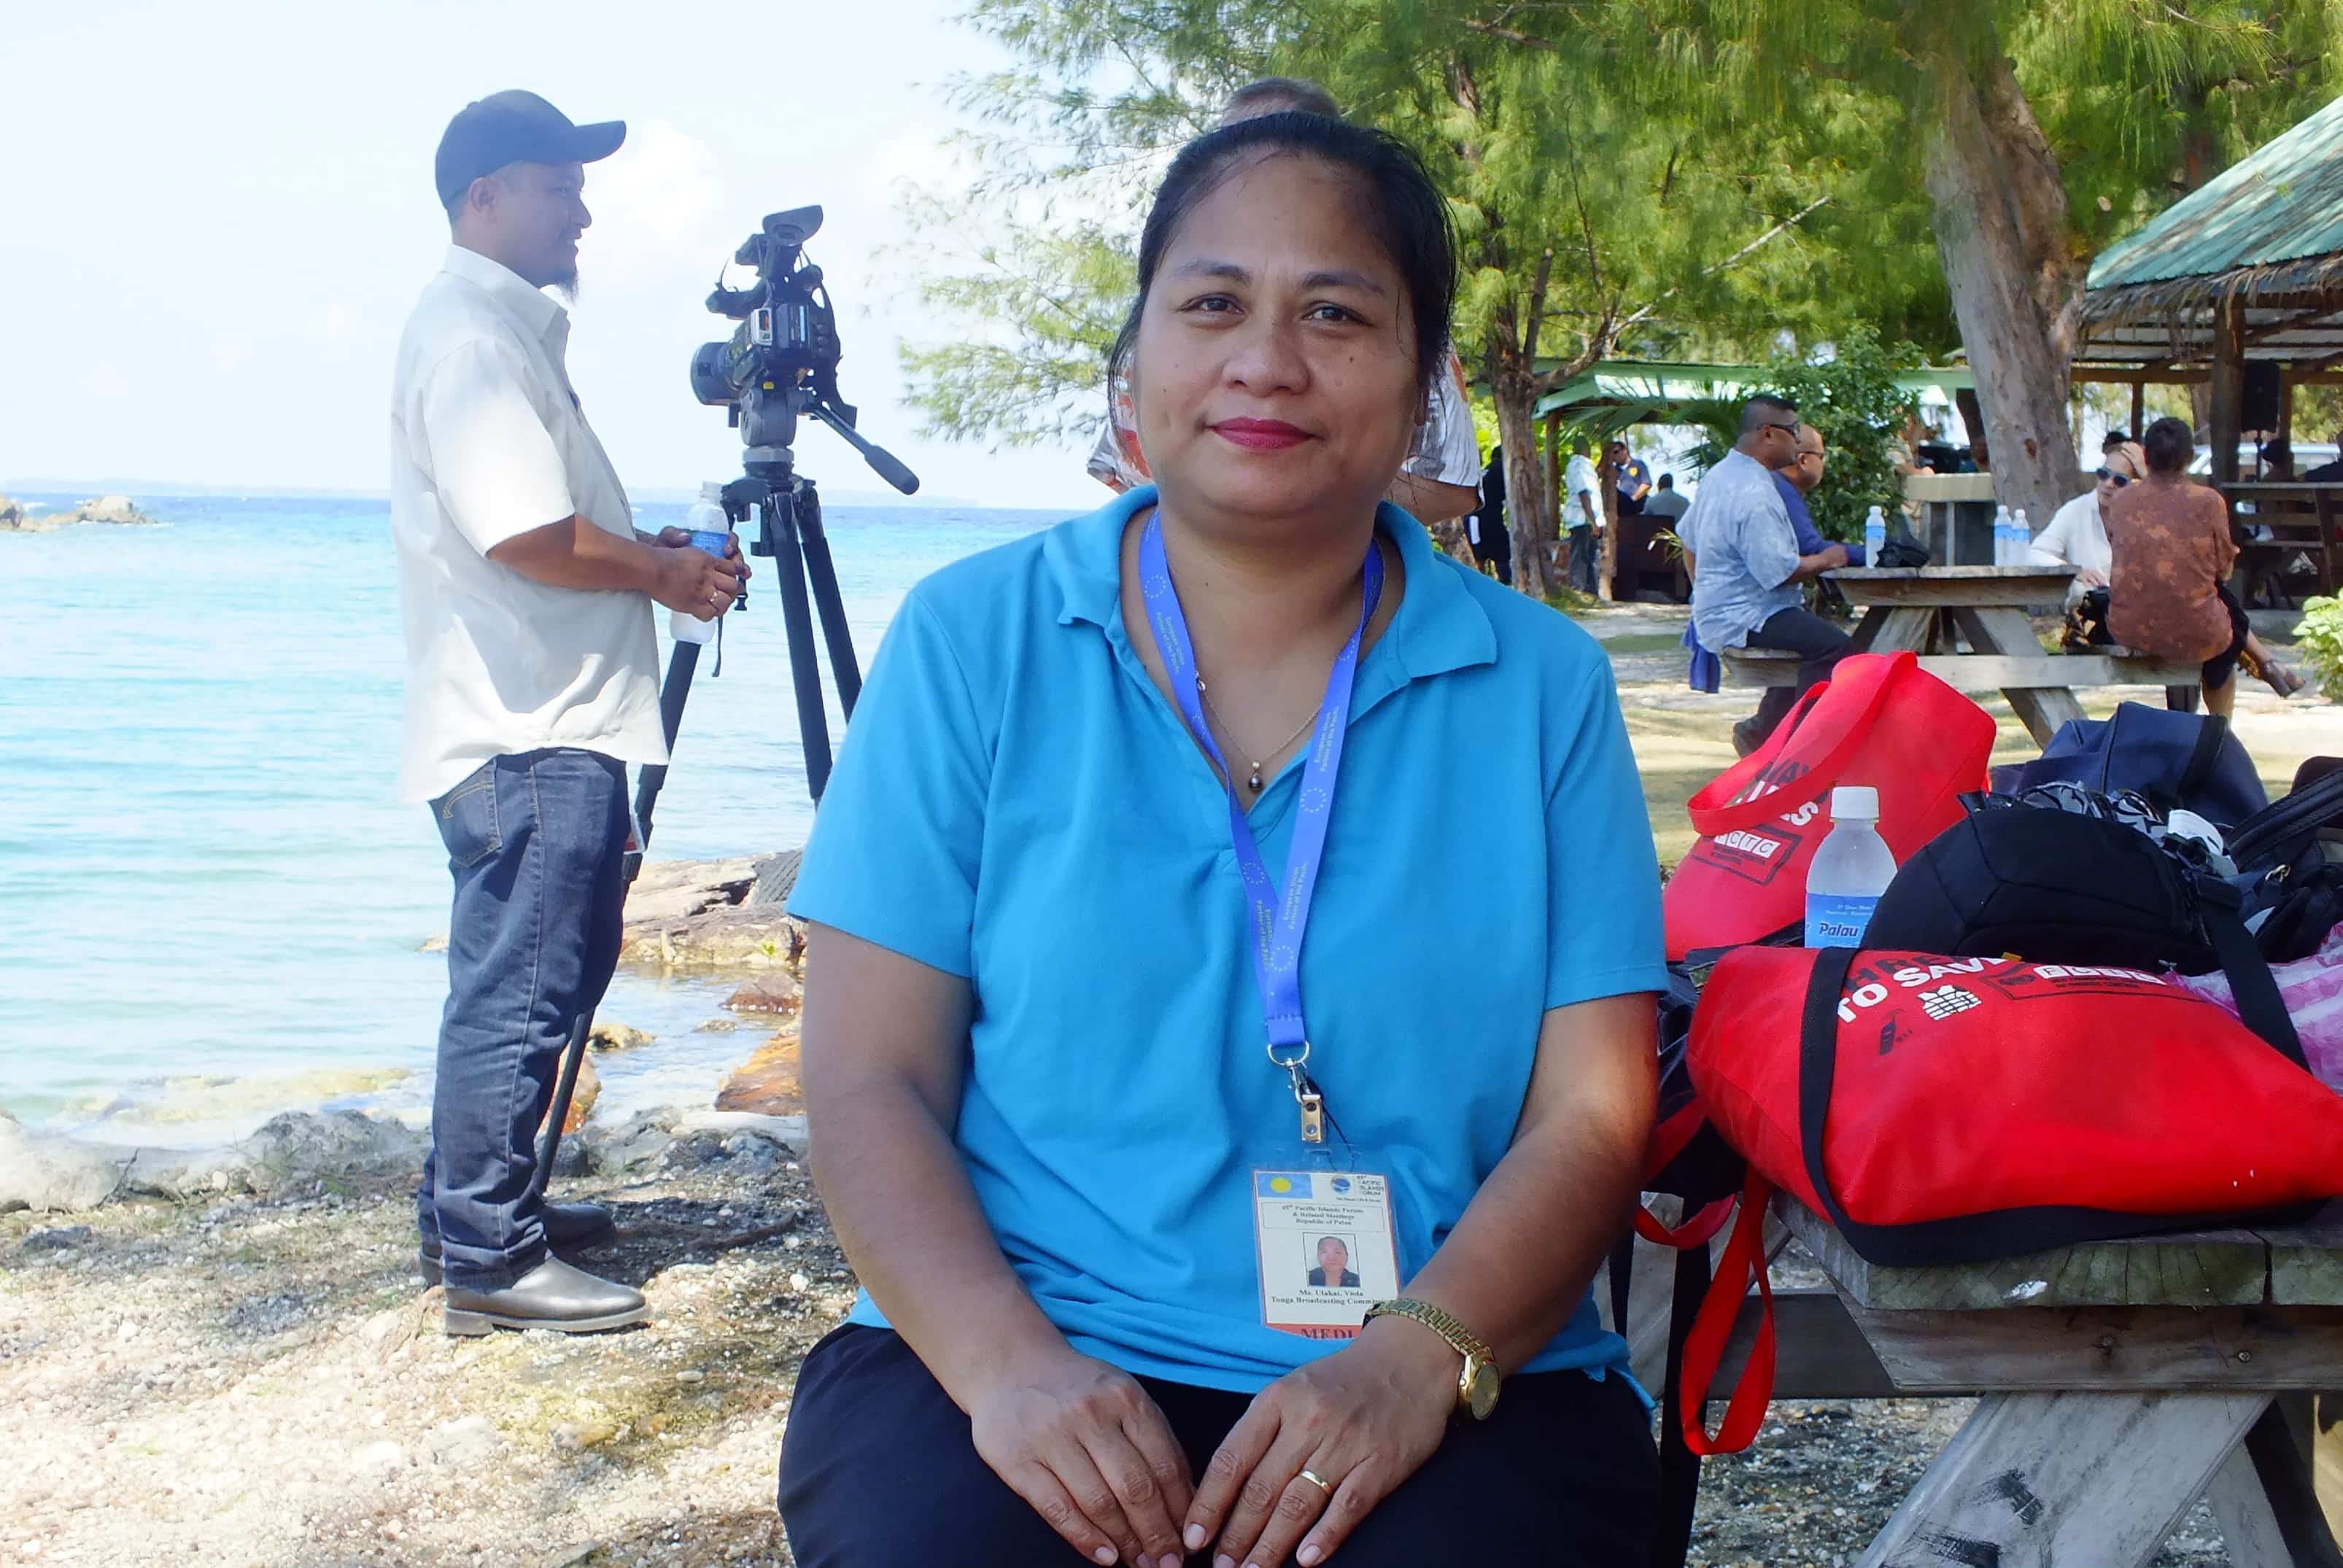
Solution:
(1325, 1245)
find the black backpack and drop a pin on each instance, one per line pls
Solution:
(2059, 886)
(2293, 893)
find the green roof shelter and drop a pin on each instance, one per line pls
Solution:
(2239, 283)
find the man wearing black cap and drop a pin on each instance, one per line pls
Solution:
(532, 680)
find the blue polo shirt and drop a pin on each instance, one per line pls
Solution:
(1017, 803)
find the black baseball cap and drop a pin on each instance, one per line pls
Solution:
(515, 127)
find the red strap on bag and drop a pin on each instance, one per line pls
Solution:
(1696, 1232)
(1719, 808)
(1743, 1258)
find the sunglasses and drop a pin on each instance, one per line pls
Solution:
(2120, 480)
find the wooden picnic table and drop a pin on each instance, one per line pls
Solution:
(1935, 610)
(2118, 1382)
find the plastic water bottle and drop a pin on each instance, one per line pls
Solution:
(2001, 536)
(1849, 872)
(1875, 536)
(2021, 538)
(712, 531)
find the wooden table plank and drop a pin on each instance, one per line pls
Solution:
(1953, 586)
(2307, 1262)
(1985, 671)
(2047, 1349)
(2038, 1480)
(2203, 1269)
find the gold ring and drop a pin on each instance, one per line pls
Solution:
(1318, 1480)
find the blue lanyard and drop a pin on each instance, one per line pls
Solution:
(1276, 924)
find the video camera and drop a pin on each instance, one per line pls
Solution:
(783, 359)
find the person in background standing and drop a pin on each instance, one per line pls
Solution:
(1635, 480)
(1582, 518)
(1666, 501)
(532, 680)
(1493, 546)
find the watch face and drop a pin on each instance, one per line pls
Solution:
(1481, 1391)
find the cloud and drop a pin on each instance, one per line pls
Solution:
(335, 321)
(662, 201)
(230, 355)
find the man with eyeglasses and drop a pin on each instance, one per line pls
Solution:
(1797, 480)
(1748, 568)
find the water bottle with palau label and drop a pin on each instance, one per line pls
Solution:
(2021, 538)
(1875, 536)
(1850, 870)
(711, 530)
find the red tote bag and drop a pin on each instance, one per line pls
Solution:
(1880, 720)
(1947, 1111)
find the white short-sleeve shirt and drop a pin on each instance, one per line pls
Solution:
(488, 441)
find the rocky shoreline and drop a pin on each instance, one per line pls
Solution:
(227, 1356)
(16, 518)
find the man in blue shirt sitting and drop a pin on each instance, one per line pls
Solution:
(1749, 568)
(1797, 480)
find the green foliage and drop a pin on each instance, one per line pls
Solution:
(2320, 637)
(1038, 307)
(1852, 398)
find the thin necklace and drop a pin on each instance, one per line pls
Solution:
(1253, 777)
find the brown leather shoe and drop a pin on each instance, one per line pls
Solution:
(553, 1295)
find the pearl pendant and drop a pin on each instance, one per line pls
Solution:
(1254, 780)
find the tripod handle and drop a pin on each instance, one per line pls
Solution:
(887, 465)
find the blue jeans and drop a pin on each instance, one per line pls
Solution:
(1585, 556)
(536, 844)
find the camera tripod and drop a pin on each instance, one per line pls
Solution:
(790, 533)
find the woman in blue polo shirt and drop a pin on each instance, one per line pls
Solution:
(1148, 958)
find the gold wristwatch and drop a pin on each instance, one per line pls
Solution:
(1476, 1385)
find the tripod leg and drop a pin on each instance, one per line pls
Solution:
(573, 1055)
(823, 572)
(789, 559)
(672, 697)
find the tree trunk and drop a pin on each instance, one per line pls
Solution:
(1513, 387)
(2002, 227)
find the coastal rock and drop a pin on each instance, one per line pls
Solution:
(768, 1084)
(581, 1098)
(729, 912)
(617, 1037)
(772, 992)
(109, 509)
(638, 1143)
(12, 514)
(471, 1443)
(303, 1146)
(50, 1172)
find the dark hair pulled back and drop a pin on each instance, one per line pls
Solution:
(2171, 446)
(1397, 200)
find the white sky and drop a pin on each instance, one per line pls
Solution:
(215, 216)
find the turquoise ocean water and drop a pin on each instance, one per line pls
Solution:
(215, 904)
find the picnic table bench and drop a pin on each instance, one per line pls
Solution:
(1969, 625)
(2296, 519)
(2118, 1382)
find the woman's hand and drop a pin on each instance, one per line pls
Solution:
(1363, 1420)
(2088, 579)
(1081, 1441)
